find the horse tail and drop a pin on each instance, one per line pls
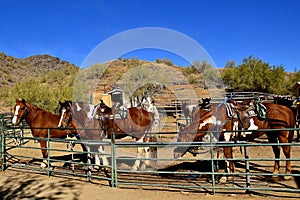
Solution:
(292, 125)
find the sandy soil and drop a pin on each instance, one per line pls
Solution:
(14, 185)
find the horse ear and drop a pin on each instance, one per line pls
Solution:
(23, 101)
(59, 102)
(246, 101)
(17, 100)
(232, 101)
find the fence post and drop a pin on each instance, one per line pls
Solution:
(212, 164)
(2, 143)
(89, 172)
(3, 151)
(114, 178)
(48, 150)
(247, 168)
(1, 133)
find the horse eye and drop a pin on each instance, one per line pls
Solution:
(23, 108)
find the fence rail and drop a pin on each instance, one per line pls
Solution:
(205, 173)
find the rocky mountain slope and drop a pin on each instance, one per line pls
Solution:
(18, 69)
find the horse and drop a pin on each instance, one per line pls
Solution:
(233, 116)
(296, 109)
(294, 105)
(191, 133)
(135, 122)
(187, 110)
(40, 121)
(215, 117)
(82, 116)
(205, 105)
(277, 117)
(149, 106)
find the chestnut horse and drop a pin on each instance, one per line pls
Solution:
(135, 122)
(278, 117)
(40, 121)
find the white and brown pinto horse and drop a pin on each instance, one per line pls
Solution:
(216, 118)
(81, 116)
(40, 122)
(136, 123)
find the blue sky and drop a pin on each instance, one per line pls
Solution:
(226, 29)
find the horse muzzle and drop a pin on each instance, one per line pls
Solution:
(177, 154)
(15, 120)
(62, 127)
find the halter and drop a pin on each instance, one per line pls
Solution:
(71, 114)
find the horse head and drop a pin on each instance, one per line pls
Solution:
(66, 114)
(20, 111)
(104, 114)
(193, 132)
(205, 103)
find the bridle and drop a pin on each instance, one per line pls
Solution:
(70, 116)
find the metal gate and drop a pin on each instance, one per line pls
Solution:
(205, 174)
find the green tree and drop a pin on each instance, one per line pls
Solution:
(255, 75)
(278, 85)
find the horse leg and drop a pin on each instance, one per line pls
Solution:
(137, 163)
(287, 152)
(45, 153)
(229, 166)
(102, 156)
(276, 151)
(146, 155)
(298, 134)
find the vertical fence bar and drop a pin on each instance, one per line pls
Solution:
(212, 164)
(1, 138)
(48, 150)
(247, 168)
(3, 149)
(89, 172)
(114, 177)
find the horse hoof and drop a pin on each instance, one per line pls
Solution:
(43, 165)
(286, 178)
(134, 168)
(223, 179)
(96, 168)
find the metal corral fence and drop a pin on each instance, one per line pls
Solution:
(203, 173)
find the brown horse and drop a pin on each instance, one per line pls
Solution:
(278, 117)
(81, 116)
(240, 116)
(40, 121)
(135, 122)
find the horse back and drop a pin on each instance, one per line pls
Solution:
(41, 121)
(280, 114)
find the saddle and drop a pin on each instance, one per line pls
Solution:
(261, 111)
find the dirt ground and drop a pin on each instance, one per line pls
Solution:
(17, 184)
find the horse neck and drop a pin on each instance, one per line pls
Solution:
(32, 113)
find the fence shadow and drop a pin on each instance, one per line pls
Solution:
(36, 187)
